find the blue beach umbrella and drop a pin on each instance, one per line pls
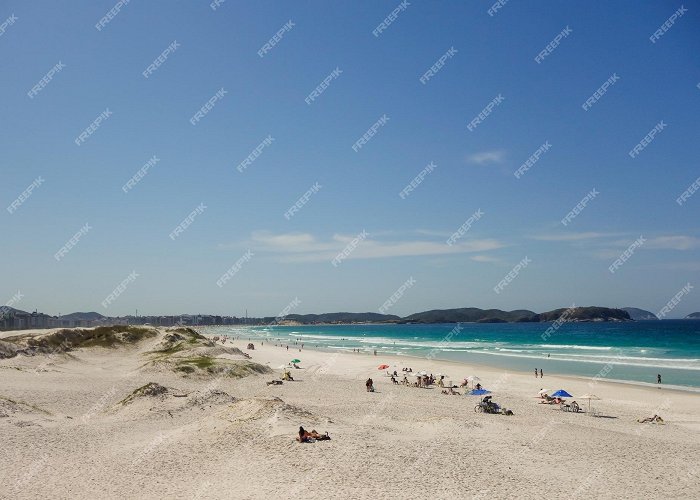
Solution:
(479, 392)
(561, 393)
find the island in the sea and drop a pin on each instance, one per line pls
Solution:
(640, 314)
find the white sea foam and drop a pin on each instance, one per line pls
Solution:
(677, 363)
(568, 346)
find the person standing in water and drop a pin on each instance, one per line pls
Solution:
(658, 378)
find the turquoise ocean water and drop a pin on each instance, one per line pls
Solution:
(633, 352)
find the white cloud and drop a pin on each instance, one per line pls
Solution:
(485, 157)
(673, 243)
(307, 247)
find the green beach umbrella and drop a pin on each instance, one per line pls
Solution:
(295, 361)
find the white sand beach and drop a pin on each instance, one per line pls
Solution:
(66, 432)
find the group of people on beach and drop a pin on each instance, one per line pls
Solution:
(421, 381)
(541, 374)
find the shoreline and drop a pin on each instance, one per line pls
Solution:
(486, 366)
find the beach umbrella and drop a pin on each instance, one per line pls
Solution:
(561, 393)
(295, 361)
(589, 397)
(382, 367)
(479, 392)
(472, 379)
(282, 367)
(543, 391)
(423, 373)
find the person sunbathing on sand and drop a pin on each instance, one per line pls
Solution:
(307, 437)
(450, 391)
(655, 419)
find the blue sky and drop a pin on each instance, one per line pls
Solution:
(359, 190)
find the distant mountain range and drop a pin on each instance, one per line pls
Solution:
(458, 315)
(640, 314)
(470, 315)
(475, 315)
(464, 315)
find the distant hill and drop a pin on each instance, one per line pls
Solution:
(342, 317)
(693, 316)
(83, 316)
(639, 314)
(470, 315)
(8, 310)
(590, 313)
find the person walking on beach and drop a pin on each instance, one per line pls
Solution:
(541, 373)
(658, 378)
(535, 372)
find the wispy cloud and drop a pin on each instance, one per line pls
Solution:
(574, 236)
(610, 245)
(485, 258)
(298, 247)
(486, 157)
(432, 232)
(673, 243)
